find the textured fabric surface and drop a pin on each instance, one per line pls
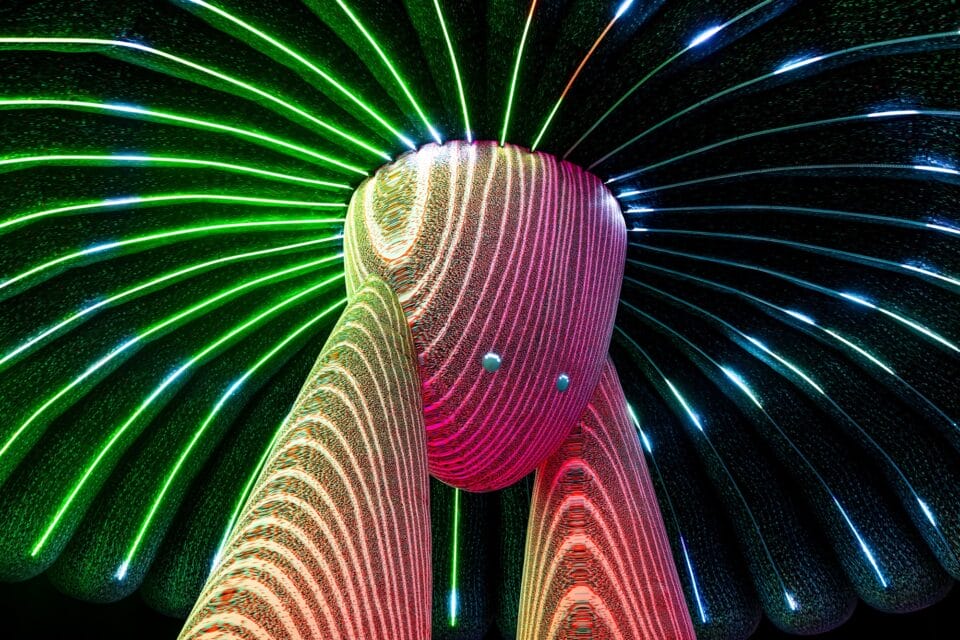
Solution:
(493, 250)
(335, 538)
(598, 563)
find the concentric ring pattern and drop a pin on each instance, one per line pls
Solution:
(471, 236)
(175, 175)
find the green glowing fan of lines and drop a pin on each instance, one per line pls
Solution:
(174, 177)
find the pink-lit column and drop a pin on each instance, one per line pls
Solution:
(598, 564)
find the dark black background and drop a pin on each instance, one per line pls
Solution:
(35, 609)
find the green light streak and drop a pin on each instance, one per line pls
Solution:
(207, 71)
(393, 71)
(454, 559)
(314, 68)
(183, 162)
(238, 507)
(152, 283)
(230, 226)
(624, 7)
(456, 71)
(99, 364)
(196, 358)
(173, 117)
(516, 73)
(169, 199)
(546, 124)
(171, 475)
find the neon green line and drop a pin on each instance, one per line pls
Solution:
(145, 525)
(392, 69)
(213, 346)
(162, 115)
(247, 488)
(99, 364)
(205, 70)
(317, 70)
(516, 72)
(162, 236)
(546, 124)
(456, 71)
(454, 560)
(169, 199)
(152, 283)
(226, 166)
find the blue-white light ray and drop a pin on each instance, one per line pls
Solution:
(797, 64)
(693, 581)
(863, 544)
(704, 35)
(737, 380)
(694, 418)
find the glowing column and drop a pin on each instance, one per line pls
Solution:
(598, 563)
(334, 541)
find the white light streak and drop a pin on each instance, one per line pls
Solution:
(704, 36)
(737, 380)
(796, 64)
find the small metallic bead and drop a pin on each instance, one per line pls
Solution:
(491, 361)
(563, 381)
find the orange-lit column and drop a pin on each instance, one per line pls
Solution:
(334, 541)
(598, 564)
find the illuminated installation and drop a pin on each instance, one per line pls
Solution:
(687, 362)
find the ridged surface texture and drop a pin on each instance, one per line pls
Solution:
(334, 541)
(494, 250)
(598, 563)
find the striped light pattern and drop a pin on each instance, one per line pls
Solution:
(493, 249)
(598, 563)
(786, 332)
(334, 541)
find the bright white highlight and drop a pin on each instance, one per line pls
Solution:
(866, 354)
(921, 329)
(796, 64)
(454, 604)
(704, 36)
(932, 274)
(927, 167)
(624, 7)
(863, 545)
(693, 580)
(787, 364)
(683, 403)
(889, 114)
(927, 512)
(799, 316)
(636, 423)
(737, 380)
(943, 227)
(858, 300)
